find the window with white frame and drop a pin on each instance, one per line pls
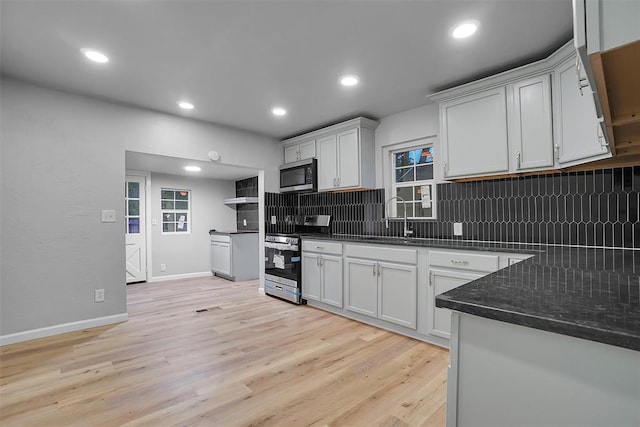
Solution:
(413, 182)
(176, 213)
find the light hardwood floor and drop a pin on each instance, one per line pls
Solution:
(251, 360)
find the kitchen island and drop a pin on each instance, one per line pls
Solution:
(553, 340)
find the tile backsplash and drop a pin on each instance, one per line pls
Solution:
(593, 208)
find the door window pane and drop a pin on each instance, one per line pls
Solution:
(134, 225)
(134, 207)
(133, 190)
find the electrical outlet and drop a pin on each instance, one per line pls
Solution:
(154, 221)
(457, 229)
(273, 220)
(99, 295)
(163, 267)
(108, 215)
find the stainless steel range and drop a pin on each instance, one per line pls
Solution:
(282, 254)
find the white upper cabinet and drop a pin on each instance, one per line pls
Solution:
(600, 25)
(302, 151)
(530, 123)
(345, 154)
(474, 134)
(532, 118)
(579, 137)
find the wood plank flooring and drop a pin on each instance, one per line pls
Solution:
(250, 360)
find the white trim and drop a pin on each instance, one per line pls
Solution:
(179, 276)
(62, 329)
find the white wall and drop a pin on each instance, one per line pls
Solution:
(62, 162)
(61, 165)
(410, 125)
(189, 253)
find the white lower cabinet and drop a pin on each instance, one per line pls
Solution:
(322, 272)
(381, 289)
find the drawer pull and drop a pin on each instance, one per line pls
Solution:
(319, 247)
(459, 261)
(279, 288)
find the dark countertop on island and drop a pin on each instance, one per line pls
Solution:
(589, 293)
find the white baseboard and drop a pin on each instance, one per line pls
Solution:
(62, 329)
(179, 276)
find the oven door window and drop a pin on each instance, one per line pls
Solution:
(281, 263)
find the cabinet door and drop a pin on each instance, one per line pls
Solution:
(327, 163)
(291, 153)
(348, 159)
(215, 257)
(224, 265)
(311, 276)
(577, 127)
(332, 290)
(398, 298)
(361, 283)
(474, 134)
(440, 281)
(530, 124)
(307, 150)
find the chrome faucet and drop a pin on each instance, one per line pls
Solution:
(406, 230)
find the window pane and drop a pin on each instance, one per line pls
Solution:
(403, 159)
(409, 207)
(423, 212)
(134, 225)
(182, 205)
(168, 226)
(134, 207)
(133, 190)
(182, 195)
(167, 194)
(426, 155)
(167, 205)
(404, 175)
(405, 193)
(424, 172)
(168, 217)
(181, 226)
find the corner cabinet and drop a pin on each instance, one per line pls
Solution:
(533, 118)
(345, 154)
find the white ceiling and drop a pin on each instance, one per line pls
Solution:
(235, 60)
(175, 166)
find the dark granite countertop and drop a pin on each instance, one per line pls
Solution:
(589, 293)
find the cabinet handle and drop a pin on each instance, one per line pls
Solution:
(518, 160)
(319, 247)
(321, 261)
(580, 80)
(374, 268)
(379, 270)
(318, 261)
(603, 141)
(556, 148)
(444, 167)
(431, 278)
(459, 261)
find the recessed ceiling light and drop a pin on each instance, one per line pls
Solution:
(192, 168)
(278, 111)
(349, 80)
(464, 30)
(185, 105)
(94, 55)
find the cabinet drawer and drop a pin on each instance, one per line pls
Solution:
(464, 261)
(382, 253)
(220, 238)
(322, 247)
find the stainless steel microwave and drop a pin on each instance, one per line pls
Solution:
(300, 176)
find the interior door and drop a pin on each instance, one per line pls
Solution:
(135, 238)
